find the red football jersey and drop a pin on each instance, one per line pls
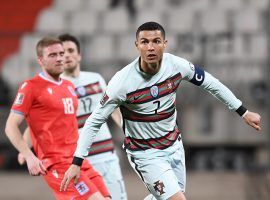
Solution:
(50, 111)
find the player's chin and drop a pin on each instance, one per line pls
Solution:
(69, 66)
(59, 69)
(57, 73)
(152, 60)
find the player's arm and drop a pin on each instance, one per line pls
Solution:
(86, 138)
(117, 117)
(222, 93)
(110, 101)
(27, 139)
(14, 134)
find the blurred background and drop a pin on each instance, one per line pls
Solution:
(225, 158)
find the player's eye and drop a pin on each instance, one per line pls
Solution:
(52, 55)
(144, 42)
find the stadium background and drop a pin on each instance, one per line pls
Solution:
(230, 39)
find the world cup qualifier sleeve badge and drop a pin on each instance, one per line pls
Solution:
(154, 91)
(19, 99)
(104, 99)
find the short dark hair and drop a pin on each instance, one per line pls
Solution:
(45, 42)
(67, 37)
(150, 26)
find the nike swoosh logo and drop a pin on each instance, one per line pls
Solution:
(136, 98)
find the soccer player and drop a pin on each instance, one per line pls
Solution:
(145, 91)
(49, 104)
(90, 87)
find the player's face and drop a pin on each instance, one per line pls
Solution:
(52, 60)
(72, 56)
(151, 46)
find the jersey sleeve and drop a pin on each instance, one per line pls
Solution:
(186, 68)
(102, 83)
(112, 98)
(220, 91)
(203, 79)
(23, 100)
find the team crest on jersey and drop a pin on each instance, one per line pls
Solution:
(72, 91)
(81, 90)
(104, 99)
(159, 187)
(19, 99)
(169, 84)
(154, 91)
(82, 188)
(49, 90)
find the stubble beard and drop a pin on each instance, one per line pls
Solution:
(70, 69)
(55, 75)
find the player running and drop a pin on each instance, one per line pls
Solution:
(145, 91)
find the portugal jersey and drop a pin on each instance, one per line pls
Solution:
(50, 111)
(90, 87)
(147, 103)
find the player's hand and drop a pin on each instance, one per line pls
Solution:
(73, 172)
(253, 119)
(35, 166)
(21, 159)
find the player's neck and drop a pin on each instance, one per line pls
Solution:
(150, 69)
(74, 73)
(55, 78)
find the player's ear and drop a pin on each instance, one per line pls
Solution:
(39, 60)
(136, 44)
(165, 44)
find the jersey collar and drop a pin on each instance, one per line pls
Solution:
(145, 75)
(42, 75)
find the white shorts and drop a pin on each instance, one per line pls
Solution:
(162, 171)
(110, 171)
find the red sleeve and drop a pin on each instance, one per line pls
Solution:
(23, 100)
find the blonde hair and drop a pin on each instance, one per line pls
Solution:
(45, 42)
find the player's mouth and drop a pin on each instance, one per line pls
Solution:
(68, 61)
(152, 56)
(59, 64)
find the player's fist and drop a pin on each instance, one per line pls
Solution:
(21, 159)
(253, 119)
